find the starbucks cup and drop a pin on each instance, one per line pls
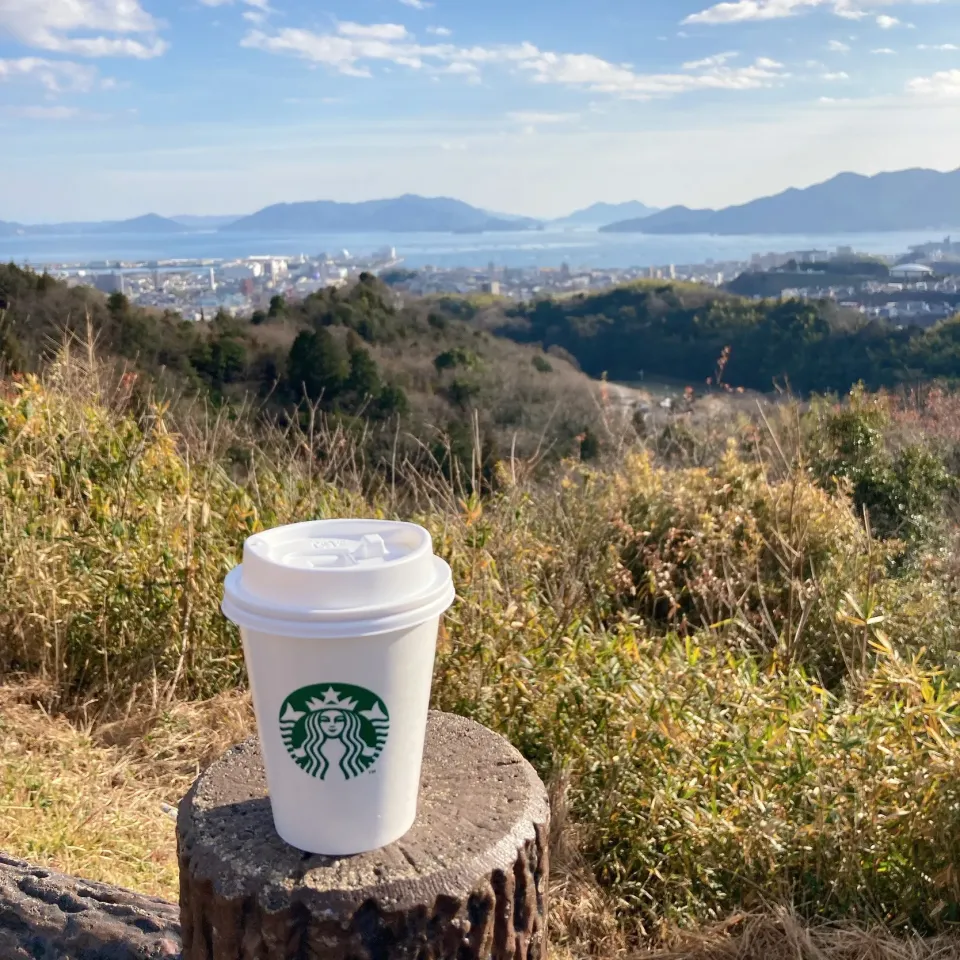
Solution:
(339, 623)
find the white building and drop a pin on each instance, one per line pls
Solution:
(911, 271)
(242, 271)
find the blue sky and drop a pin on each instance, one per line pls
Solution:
(112, 108)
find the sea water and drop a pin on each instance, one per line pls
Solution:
(546, 248)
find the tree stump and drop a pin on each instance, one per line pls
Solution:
(469, 880)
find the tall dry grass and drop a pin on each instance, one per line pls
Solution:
(738, 694)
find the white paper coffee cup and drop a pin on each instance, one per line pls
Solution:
(339, 622)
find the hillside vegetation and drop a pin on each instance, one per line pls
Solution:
(739, 678)
(680, 330)
(355, 354)
(729, 646)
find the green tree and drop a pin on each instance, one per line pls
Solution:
(392, 401)
(117, 303)
(278, 306)
(364, 377)
(318, 365)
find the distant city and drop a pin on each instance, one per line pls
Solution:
(919, 286)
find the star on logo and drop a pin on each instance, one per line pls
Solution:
(331, 700)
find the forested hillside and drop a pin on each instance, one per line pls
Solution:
(356, 354)
(680, 331)
(728, 644)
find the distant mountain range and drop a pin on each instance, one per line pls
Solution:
(406, 214)
(150, 223)
(603, 213)
(848, 203)
(193, 222)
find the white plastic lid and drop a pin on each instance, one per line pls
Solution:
(338, 578)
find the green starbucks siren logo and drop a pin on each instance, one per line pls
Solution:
(334, 729)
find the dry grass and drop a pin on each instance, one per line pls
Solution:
(96, 801)
(777, 934)
(737, 692)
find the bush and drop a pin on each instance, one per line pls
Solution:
(542, 364)
(902, 491)
(457, 357)
(736, 693)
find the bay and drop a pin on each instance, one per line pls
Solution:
(547, 248)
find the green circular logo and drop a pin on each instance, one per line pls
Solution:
(334, 729)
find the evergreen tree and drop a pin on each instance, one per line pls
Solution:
(318, 365)
(364, 379)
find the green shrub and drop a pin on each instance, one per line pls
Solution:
(542, 364)
(738, 693)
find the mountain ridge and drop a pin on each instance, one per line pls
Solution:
(913, 199)
(600, 214)
(409, 213)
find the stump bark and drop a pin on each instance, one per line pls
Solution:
(47, 915)
(469, 881)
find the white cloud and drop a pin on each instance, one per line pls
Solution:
(353, 47)
(460, 66)
(534, 118)
(44, 113)
(838, 46)
(740, 11)
(51, 25)
(57, 76)
(943, 85)
(937, 46)
(600, 76)
(440, 31)
(885, 22)
(839, 75)
(373, 31)
(416, 4)
(717, 60)
(884, 51)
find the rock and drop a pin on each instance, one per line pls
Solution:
(469, 880)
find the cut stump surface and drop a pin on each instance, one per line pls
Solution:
(469, 880)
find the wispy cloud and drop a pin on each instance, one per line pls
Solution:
(886, 22)
(838, 46)
(355, 47)
(942, 85)
(56, 76)
(417, 4)
(263, 5)
(533, 117)
(938, 46)
(258, 15)
(838, 75)
(741, 11)
(884, 51)
(373, 31)
(44, 113)
(440, 31)
(717, 60)
(53, 24)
